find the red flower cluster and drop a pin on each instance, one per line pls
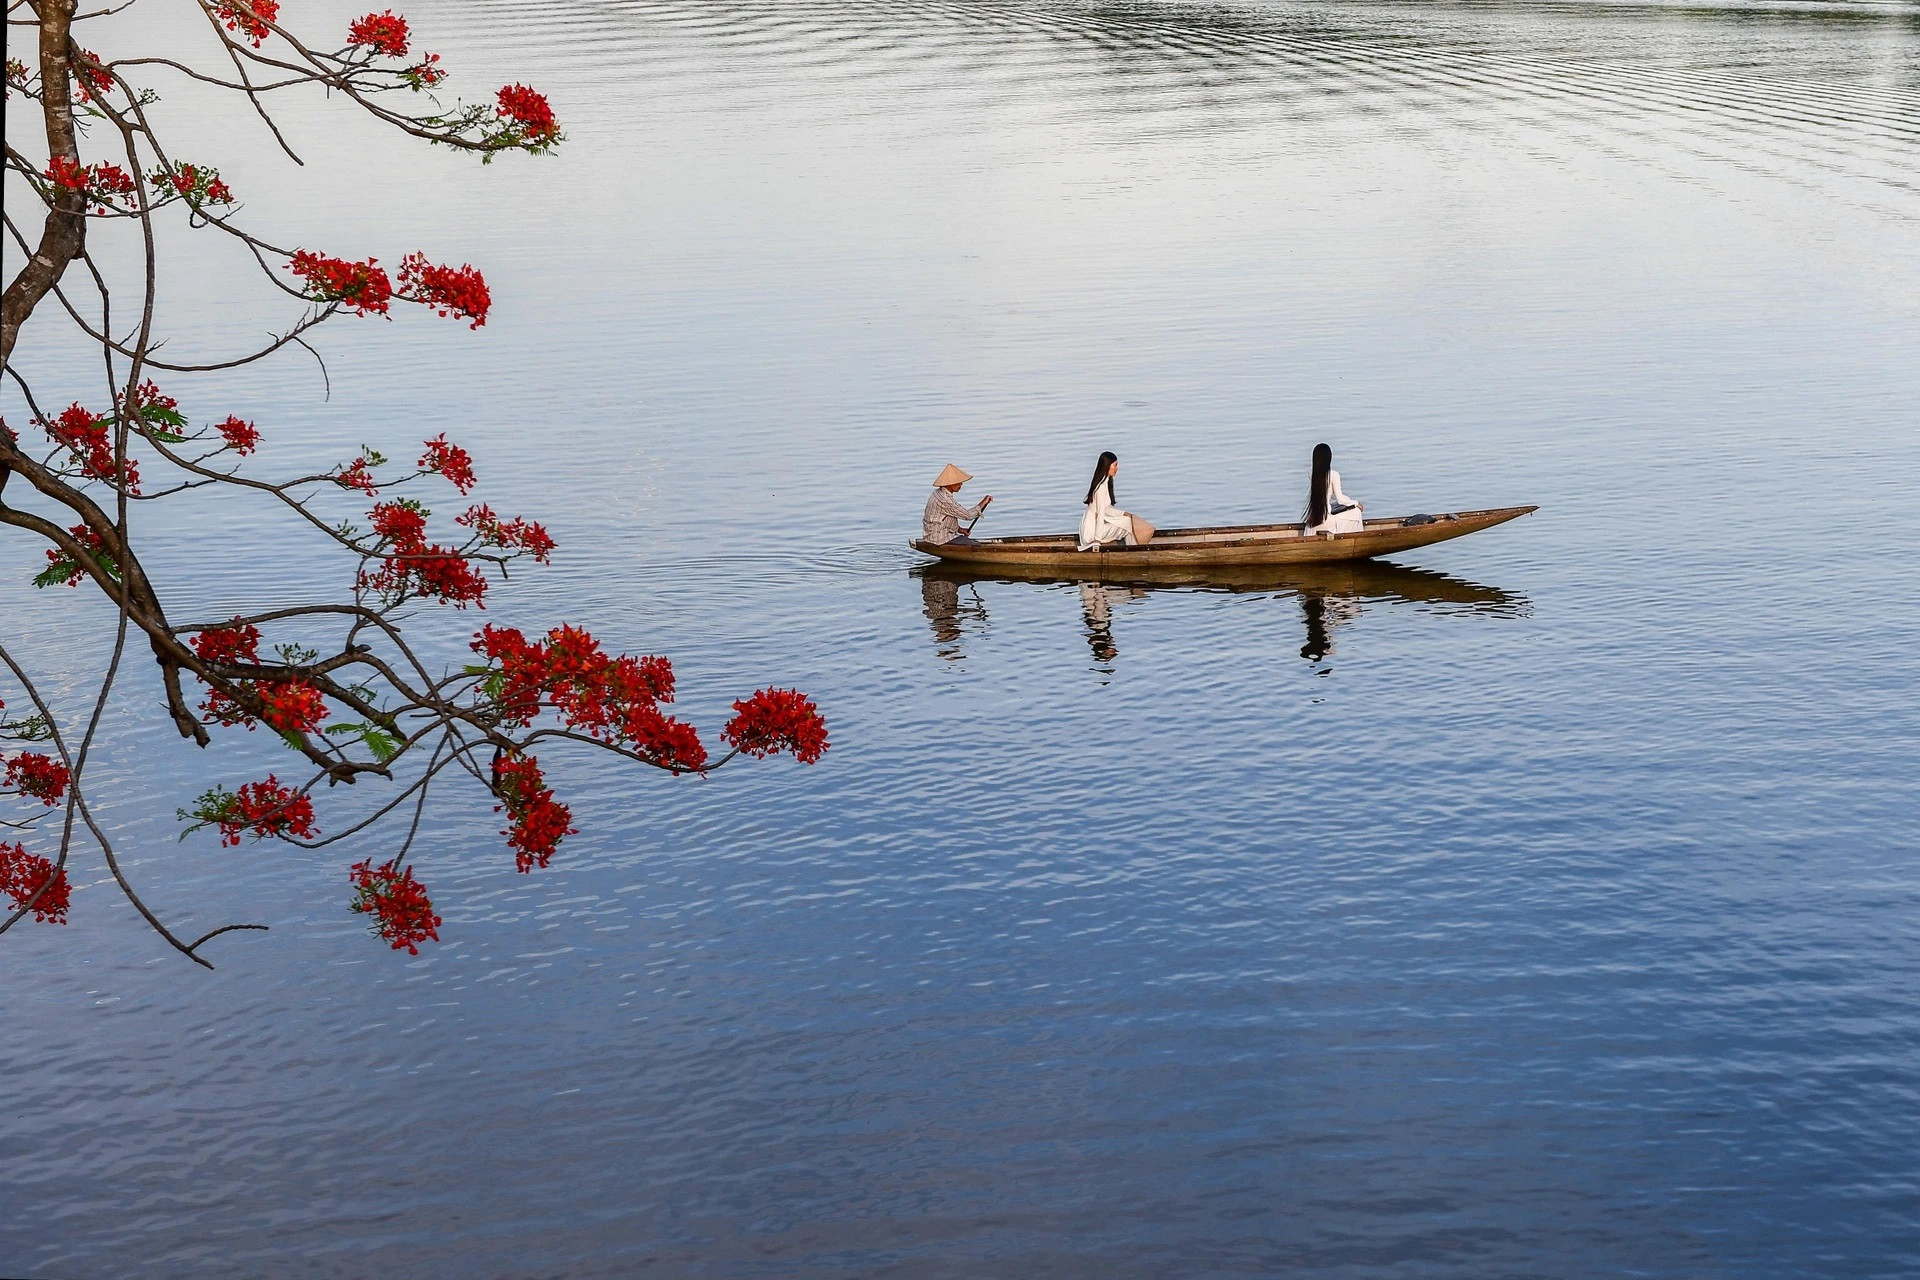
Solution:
(384, 33)
(536, 822)
(249, 17)
(403, 523)
(402, 913)
(73, 570)
(776, 720)
(148, 407)
(21, 873)
(195, 183)
(40, 776)
(241, 436)
(516, 534)
(147, 396)
(450, 291)
(450, 460)
(100, 184)
(448, 577)
(425, 73)
(528, 114)
(290, 706)
(356, 475)
(265, 808)
(233, 644)
(286, 706)
(615, 700)
(85, 437)
(364, 286)
(229, 646)
(414, 566)
(93, 80)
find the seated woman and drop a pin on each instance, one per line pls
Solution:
(1105, 524)
(1328, 509)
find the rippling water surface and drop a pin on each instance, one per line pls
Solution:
(1545, 905)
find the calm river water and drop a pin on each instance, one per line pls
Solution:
(1547, 906)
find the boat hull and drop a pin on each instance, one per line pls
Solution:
(1231, 545)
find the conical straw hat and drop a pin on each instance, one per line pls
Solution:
(951, 474)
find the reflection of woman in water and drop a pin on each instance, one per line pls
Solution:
(1322, 614)
(1103, 521)
(1328, 509)
(1319, 644)
(1097, 612)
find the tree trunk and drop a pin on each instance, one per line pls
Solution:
(65, 234)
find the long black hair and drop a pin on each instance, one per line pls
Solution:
(1100, 473)
(1317, 492)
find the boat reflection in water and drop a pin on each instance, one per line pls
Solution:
(1330, 597)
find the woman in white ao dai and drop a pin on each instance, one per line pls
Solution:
(1103, 521)
(1329, 510)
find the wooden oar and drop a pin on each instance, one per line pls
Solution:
(968, 531)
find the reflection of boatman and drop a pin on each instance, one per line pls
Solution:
(940, 601)
(949, 613)
(940, 523)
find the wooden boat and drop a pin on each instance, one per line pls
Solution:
(1249, 544)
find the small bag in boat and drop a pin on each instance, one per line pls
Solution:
(1142, 531)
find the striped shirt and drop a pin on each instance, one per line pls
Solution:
(941, 520)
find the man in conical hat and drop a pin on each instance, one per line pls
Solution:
(941, 521)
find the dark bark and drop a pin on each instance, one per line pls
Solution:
(65, 233)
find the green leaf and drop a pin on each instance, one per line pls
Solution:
(33, 728)
(377, 740)
(54, 574)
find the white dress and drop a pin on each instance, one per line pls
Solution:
(1103, 521)
(1352, 520)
